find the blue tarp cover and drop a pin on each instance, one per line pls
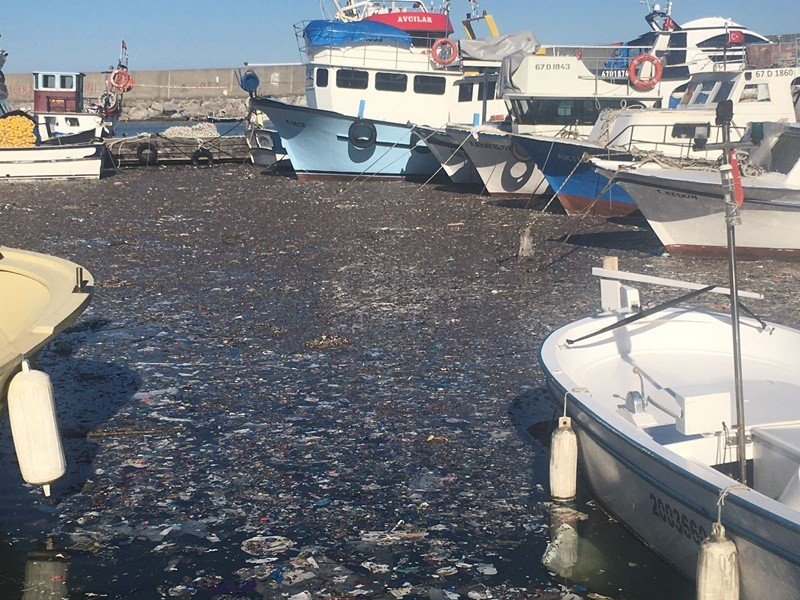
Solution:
(336, 33)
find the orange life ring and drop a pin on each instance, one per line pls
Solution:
(444, 52)
(121, 80)
(645, 85)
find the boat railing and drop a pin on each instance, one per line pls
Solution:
(783, 53)
(659, 136)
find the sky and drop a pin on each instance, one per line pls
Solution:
(84, 35)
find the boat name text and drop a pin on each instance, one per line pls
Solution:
(678, 520)
(672, 194)
(414, 19)
(774, 73)
(614, 74)
(554, 67)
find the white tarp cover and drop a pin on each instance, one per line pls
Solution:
(500, 47)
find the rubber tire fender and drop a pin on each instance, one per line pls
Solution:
(202, 157)
(147, 153)
(357, 137)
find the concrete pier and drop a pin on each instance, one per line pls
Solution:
(188, 93)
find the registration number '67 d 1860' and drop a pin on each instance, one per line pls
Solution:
(678, 520)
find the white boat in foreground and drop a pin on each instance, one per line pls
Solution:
(79, 161)
(685, 207)
(653, 409)
(40, 296)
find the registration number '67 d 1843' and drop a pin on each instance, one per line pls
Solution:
(678, 520)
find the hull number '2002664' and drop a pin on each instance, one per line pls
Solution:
(678, 520)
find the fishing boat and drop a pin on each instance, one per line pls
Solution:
(74, 161)
(767, 90)
(561, 91)
(684, 207)
(366, 81)
(651, 399)
(449, 151)
(40, 296)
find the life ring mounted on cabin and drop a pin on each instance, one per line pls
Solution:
(121, 80)
(641, 84)
(444, 52)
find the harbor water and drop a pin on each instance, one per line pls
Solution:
(319, 391)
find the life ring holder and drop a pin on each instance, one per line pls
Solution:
(202, 157)
(444, 52)
(645, 85)
(147, 153)
(362, 134)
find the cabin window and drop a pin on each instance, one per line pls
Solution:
(564, 111)
(689, 131)
(322, 78)
(785, 153)
(755, 92)
(391, 82)
(49, 81)
(705, 92)
(488, 89)
(72, 121)
(425, 84)
(50, 120)
(723, 92)
(352, 79)
(718, 42)
(67, 82)
(465, 92)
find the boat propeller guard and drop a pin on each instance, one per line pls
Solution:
(641, 84)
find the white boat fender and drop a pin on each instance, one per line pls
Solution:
(563, 461)
(32, 413)
(718, 563)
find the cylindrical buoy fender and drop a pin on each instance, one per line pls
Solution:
(717, 567)
(564, 462)
(32, 413)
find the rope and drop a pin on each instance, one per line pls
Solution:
(441, 166)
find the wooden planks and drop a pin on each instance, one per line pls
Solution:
(154, 149)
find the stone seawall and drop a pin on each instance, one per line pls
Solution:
(193, 93)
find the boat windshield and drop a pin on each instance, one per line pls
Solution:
(648, 40)
(708, 92)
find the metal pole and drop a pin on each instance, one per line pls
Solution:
(731, 220)
(485, 96)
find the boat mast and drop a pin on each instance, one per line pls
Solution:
(733, 199)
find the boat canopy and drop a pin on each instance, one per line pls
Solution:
(336, 33)
(499, 47)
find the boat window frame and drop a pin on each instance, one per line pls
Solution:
(466, 91)
(759, 86)
(424, 85)
(66, 82)
(48, 81)
(320, 80)
(347, 76)
(383, 82)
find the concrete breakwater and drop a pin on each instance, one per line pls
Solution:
(192, 93)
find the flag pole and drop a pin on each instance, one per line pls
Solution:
(732, 189)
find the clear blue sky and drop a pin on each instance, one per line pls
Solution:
(169, 34)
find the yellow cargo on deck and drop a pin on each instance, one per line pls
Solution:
(17, 132)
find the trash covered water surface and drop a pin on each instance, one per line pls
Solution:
(316, 391)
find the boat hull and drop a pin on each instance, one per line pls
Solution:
(319, 145)
(504, 170)
(690, 219)
(667, 500)
(83, 161)
(449, 151)
(581, 190)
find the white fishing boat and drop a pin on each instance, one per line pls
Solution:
(560, 91)
(652, 404)
(365, 73)
(767, 90)
(685, 207)
(78, 161)
(40, 296)
(451, 155)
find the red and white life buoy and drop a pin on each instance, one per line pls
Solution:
(121, 79)
(444, 52)
(645, 85)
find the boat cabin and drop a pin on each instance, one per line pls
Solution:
(57, 92)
